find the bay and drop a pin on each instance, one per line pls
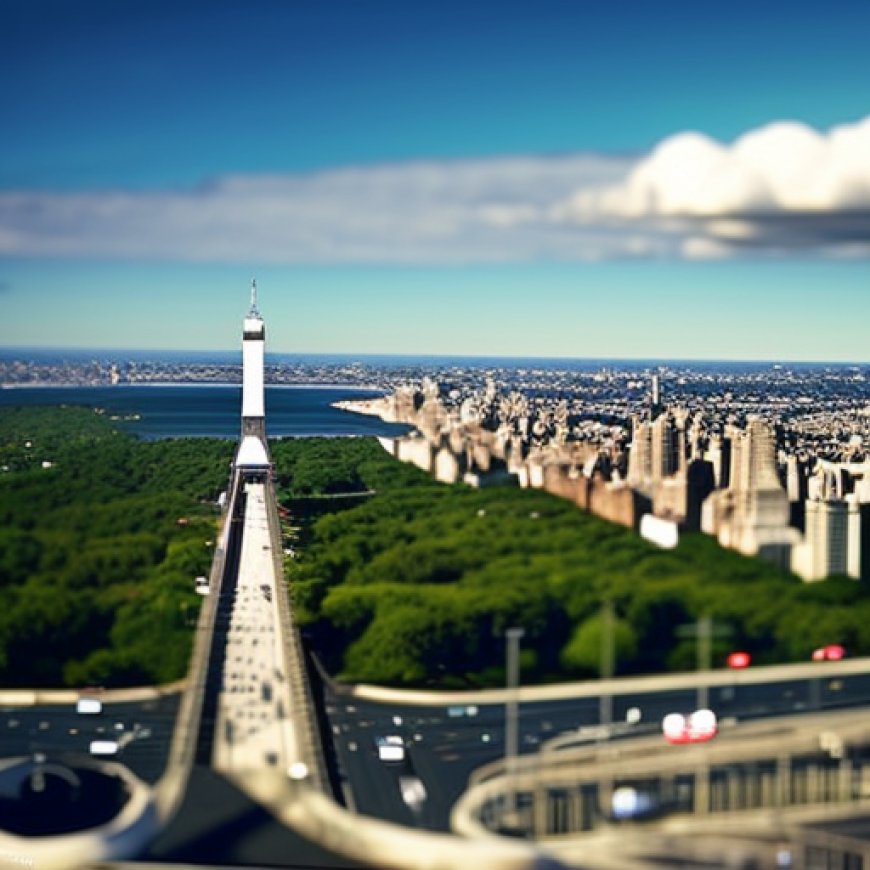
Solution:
(213, 410)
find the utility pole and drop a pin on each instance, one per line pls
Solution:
(705, 657)
(608, 662)
(511, 730)
(703, 630)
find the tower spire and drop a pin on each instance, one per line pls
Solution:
(253, 312)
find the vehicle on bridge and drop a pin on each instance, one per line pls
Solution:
(832, 652)
(698, 727)
(390, 748)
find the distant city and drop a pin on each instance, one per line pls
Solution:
(772, 459)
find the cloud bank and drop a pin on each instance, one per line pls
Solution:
(783, 186)
(780, 189)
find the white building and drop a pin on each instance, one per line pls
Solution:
(253, 450)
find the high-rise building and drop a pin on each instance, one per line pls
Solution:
(655, 397)
(823, 551)
(752, 515)
(656, 452)
(665, 443)
(253, 452)
(854, 543)
(253, 361)
(640, 455)
(835, 534)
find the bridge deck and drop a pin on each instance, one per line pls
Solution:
(253, 727)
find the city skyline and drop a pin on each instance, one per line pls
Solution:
(551, 181)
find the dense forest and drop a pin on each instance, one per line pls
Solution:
(417, 585)
(101, 536)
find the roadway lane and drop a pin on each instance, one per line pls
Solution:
(245, 726)
(219, 825)
(446, 743)
(143, 731)
(253, 727)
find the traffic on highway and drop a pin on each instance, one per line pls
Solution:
(442, 744)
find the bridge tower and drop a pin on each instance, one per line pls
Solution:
(253, 448)
(253, 354)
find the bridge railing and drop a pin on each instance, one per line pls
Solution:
(305, 720)
(769, 765)
(170, 789)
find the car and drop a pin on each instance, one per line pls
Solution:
(832, 652)
(739, 660)
(89, 706)
(629, 803)
(413, 791)
(390, 748)
(697, 727)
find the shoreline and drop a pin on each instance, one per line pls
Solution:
(368, 388)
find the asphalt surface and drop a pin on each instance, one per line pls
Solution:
(253, 725)
(445, 744)
(143, 731)
(244, 723)
(219, 825)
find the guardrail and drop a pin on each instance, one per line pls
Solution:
(373, 842)
(169, 790)
(124, 835)
(306, 727)
(618, 686)
(758, 766)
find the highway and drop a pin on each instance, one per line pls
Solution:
(253, 726)
(443, 749)
(445, 743)
(142, 729)
(249, 713)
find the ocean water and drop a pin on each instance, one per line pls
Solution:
(176, 411)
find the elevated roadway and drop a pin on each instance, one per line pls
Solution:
(246, 757)
(254, 727)
(756, 786)
(450, 734)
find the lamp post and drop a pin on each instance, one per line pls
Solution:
(608, 662)
(511, 730)
(704, 631)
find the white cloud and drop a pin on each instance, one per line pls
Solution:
(782, 167)
(424, 212)
(779, 189)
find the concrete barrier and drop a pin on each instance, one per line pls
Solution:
(170, 789)
(135, 694)
(616, 686)
(382, 844)
(123, 837)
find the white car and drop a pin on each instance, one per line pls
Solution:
(89, 706)
(390, 748)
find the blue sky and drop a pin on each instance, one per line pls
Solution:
(495, 178)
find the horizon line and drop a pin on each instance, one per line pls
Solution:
(5, 349)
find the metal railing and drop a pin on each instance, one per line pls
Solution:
(304, 714)
(170, 789)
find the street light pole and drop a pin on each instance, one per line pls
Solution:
(608, 663)
(511, 731)
(703, 631)
(705, 658)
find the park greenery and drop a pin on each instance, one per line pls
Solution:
(418, 585)
(101, 537)
(411, 583)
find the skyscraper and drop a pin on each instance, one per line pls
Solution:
(655, 397)
(253, 358)
(253, 452)
(752, 515)
(824, 551)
